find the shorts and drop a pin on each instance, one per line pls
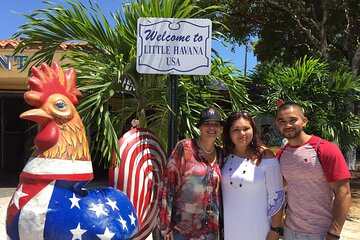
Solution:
(291, 235)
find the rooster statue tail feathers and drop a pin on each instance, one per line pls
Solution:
(139, 174)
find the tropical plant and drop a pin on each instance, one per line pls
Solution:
(306, 83)
(289, 30)
(115, 92)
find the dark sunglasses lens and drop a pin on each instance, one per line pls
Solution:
(241, 113)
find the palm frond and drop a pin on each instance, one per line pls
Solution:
(114, 93)
(326, 106)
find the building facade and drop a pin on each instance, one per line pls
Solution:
(16, 135)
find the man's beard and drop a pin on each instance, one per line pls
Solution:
(293, 134)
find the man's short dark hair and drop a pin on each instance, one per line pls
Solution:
(288, 105)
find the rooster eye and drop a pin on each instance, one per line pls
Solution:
(61, 105)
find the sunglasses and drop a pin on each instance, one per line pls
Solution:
(243, 113)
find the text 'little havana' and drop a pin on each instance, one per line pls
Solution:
(176, 50)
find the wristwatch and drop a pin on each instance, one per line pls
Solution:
(334, 236)
(278, 230)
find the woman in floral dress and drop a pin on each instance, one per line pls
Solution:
(189, 195)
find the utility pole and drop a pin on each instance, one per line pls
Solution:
(246, 51)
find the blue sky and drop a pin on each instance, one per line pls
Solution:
(11, 19)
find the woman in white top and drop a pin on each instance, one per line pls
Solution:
(252, 187)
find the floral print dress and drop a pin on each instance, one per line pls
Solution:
(189, 195)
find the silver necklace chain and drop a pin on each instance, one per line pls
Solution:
(208, 152)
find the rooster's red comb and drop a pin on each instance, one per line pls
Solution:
(51, 80)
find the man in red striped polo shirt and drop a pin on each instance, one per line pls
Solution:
(317, 179)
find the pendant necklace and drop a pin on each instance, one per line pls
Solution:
(208, 152)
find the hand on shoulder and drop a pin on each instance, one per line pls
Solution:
(267, 153)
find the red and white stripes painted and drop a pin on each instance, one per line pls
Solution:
(138, 175)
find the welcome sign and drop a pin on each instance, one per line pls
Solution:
(174, 46)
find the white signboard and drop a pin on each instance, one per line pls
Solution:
(174, 46)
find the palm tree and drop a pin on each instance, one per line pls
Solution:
(326, 106)
(114, 92)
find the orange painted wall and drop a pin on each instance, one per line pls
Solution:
(11, 78)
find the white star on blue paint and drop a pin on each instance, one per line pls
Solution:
(133, 219)
(112, 204)
(77, 232)
(74, 201)
(107, 235)
(123, 223)
(98, 209)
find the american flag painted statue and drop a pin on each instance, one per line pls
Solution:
(143, 161)
(50, 201)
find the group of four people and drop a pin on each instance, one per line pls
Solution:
(240, 187)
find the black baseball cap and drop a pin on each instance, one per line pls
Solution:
(210, 115)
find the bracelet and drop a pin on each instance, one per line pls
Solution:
(333, 235)
(166, 232)
(278, 230)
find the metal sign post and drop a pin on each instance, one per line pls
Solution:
(175, 47)
(173, 113)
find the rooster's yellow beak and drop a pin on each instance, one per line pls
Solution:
(37, 115)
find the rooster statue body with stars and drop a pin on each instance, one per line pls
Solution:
(50, 201)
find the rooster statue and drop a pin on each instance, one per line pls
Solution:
(50, 201)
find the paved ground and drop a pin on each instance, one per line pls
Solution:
(5, 195)
(350, 231)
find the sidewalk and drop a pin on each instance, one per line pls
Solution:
(350, 230)
(5, 196)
